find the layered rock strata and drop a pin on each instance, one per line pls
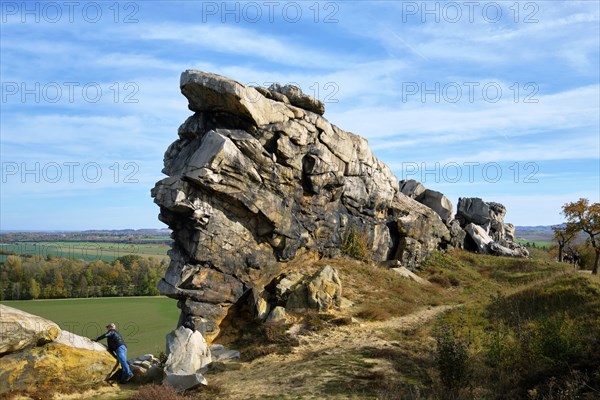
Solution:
(254, 179)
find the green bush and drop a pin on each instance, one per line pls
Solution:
(452, 359)
(558, 339)
(356, 245)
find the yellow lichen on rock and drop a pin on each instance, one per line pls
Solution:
(53, 366)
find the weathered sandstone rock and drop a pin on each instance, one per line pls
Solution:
(258, 175)
(430, 198)
(54, 365)
(187, 354)
(484, 224)
(325, 289)
(20, 329)
(37, 354)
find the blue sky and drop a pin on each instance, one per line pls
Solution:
(499, 100)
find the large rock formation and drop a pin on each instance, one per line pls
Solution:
(258, 175)
(37, 354)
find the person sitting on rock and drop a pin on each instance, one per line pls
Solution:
(117, 347)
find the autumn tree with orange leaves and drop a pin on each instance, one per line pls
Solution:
(583, 216)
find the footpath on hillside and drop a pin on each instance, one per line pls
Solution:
(322, 358)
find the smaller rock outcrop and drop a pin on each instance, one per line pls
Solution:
(187, 354)
(486, 231)
(325, 289)
(298, 290)
(37, 354)
(146, 369)
(478, 225)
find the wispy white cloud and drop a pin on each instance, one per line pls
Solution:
(572, 148)
(243, 42)
(477, 41)
(445, 122)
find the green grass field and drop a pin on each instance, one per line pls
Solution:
(88, 251)
(538, 244)
(143, 321)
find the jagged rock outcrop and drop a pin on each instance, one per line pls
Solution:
(430, 198)
(38, 355)
(486, 231)
(258, 175)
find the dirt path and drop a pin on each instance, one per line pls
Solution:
(321, 359)
(365, 333)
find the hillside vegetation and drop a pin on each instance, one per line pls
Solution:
(486, 328)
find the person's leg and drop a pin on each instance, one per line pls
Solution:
(121, 353)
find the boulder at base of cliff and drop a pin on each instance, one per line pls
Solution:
(20, 329)
(325, 289)
(187, 354)
(54, 365)
(36, 355)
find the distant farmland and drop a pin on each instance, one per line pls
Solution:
(87, 251)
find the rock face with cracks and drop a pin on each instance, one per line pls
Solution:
(254, 179)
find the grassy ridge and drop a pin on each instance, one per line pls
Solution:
(527, 329)
(143, 321)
